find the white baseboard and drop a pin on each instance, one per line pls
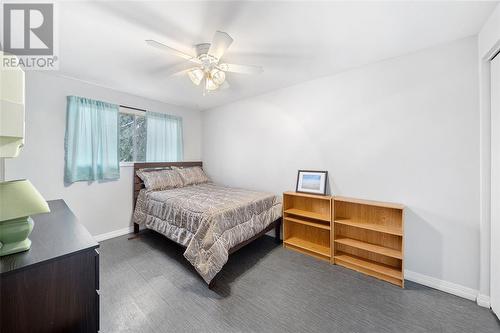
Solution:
(483, 300)
(113, 234)
(448, 287)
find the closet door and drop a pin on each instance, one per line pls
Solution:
(495, 186)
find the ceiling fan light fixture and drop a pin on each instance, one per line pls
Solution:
(218, 76)
(196, 75)
(210, 84)
(209, 73)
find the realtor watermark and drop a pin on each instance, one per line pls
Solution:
(29, 33)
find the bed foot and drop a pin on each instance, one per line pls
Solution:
(277, 231)
(136, 232)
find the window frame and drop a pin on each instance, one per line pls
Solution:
(135, 113)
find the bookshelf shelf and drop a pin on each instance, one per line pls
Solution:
(393, 230)
(361, 264)
(309, 223)
(307, 214)
(385, 251)
(309, 246)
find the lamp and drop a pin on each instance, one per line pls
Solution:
(18, 200)
(11, 109)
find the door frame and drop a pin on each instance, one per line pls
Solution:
(483, 298)
(495, 189)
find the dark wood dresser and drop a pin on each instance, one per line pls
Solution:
(54, 286)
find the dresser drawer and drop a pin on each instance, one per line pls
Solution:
(58, 296)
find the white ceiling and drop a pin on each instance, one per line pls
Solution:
(103, 42)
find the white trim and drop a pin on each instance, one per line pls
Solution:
(493, 52)
(448, 287)
(113, 234)
(133, 112)
(127, 164)
(488, 46)
(483, 300)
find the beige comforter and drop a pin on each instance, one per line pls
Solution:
(208, 219)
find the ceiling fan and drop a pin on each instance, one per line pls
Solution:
(206, 67)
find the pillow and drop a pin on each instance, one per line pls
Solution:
(192, 175)
(160, 179)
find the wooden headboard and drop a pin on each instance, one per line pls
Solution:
(152, 166)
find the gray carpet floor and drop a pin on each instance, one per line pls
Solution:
(148, 286)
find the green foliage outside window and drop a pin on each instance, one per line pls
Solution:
(133, 136)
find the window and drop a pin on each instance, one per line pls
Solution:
(133, 135)
(149, 137)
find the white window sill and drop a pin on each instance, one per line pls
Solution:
(126, 164)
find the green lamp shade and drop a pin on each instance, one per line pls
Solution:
(18, 200)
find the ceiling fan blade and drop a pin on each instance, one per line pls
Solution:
(220, 44)
(180, 72)
(242, 69)
(178, 69)
(171, 50)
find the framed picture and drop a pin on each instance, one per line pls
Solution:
(313, 182)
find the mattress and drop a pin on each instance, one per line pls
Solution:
(208, 219)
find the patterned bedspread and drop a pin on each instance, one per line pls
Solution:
(208, 219)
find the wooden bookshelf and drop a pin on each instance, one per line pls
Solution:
(307, 224)
(363, 235)
(368, 236)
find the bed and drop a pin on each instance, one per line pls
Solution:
(211, 221)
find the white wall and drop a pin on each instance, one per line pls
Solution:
(101, 206)
(403, 130)
(489, 34)
(488, 45)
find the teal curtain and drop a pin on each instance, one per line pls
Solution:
(164, 138)
(91, 142)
